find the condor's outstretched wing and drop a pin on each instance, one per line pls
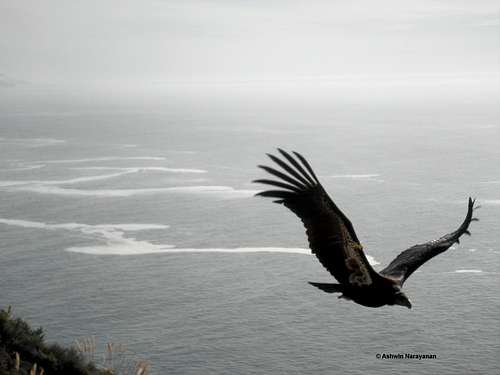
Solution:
(409, 260)
(330, 233)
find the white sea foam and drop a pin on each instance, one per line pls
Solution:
(133, 247)
(23, 167)
(63, 182)
(493, 202)
(223, 191)
(468, 271)
(76, 226)
(107, 158)
(113, 236)
(218, 191)
(116, 243)
(122, 171)
(185, 152)
(352, 176)
(139, 169)
(126, 246)
(31, 142)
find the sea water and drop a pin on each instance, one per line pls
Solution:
(137, 224)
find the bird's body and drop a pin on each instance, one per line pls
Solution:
(333, 240)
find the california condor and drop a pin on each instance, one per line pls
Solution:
(333, 240)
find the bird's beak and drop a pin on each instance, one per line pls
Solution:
(407, 303)
(402, 300)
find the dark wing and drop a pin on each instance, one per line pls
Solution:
(330, 233)
(409, 260)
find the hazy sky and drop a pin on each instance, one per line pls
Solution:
(63, 42)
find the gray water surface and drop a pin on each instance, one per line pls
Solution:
(93, 204)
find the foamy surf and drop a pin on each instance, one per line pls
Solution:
(23, 167)
(116, 243)
(468, 271)
(122, 172)
(124, 247)
(76, 226)
(32, 142)
(70, 181)
(352, 176)
(107, 158)
(113, 236)
(216, 191)
(140, 169)
(493, 202)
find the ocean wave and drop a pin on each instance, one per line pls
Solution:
(468, 271)
(143, 248)
(139, 169)
(107, 158)
(184, 152)
(352, 176)
(116, 243)
(476, 271)
(32, 142)
(63, 182)
(219, 191)
(113, 236)
(76, 226)
(123, 246)
(493, 202)
(76, 180)
(23, 167)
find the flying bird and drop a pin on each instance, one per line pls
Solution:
(333, 240)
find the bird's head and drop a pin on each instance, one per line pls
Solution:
(401, 299)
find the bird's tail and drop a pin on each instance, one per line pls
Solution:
(329, 288)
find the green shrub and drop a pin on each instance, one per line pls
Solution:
(16, 336)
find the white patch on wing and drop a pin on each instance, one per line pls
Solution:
(372, 260)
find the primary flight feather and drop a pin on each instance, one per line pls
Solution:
(333, 240)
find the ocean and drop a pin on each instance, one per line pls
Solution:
(135, 221)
